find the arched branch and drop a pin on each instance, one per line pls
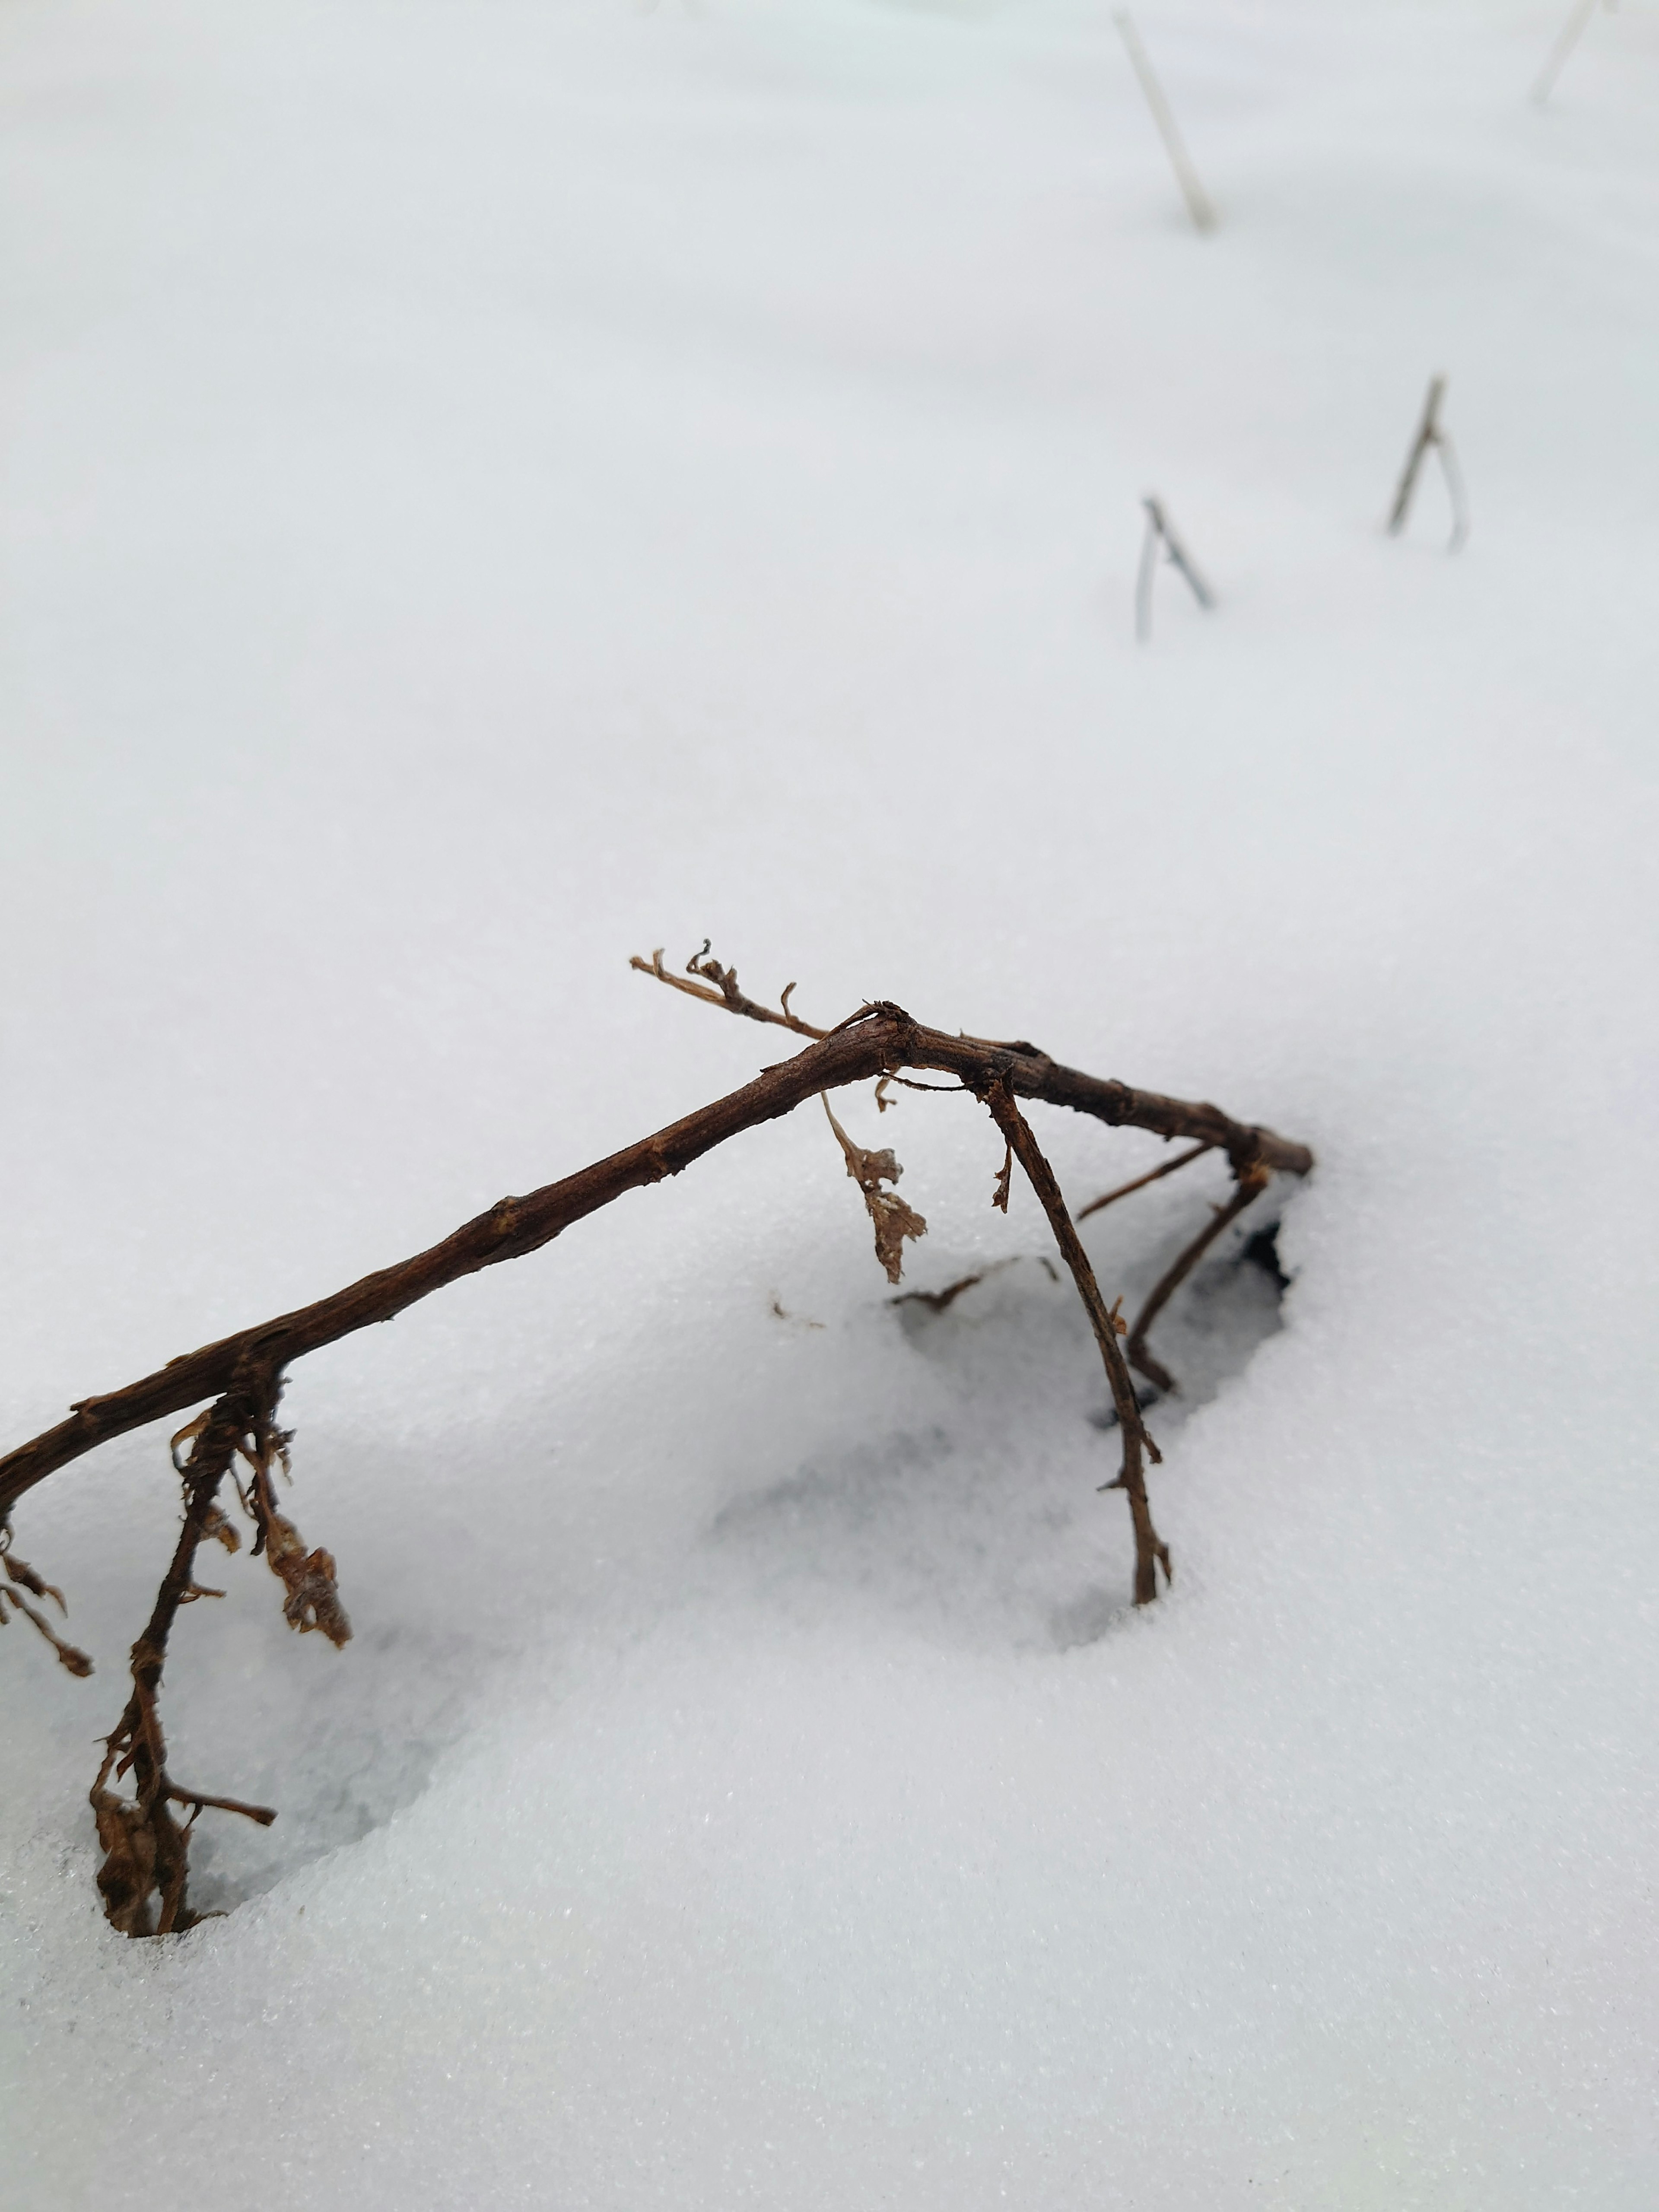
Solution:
(143, 1877)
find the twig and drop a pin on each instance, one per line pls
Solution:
(1251, 1184)
(143, 1873)
(1199, 204)
(940, 1302)
(262, 1814)
(1151, 1551)
(1160, 531)
(879, 1040)
(1455, 492)
(1430, 435)
(726, 992)
(1571, 30)
(1157, 1175)
(146, 1852)
(20, 1575)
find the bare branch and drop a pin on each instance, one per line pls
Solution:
(263, 1814)
(1141, 1181)
(1250, 1187)
(143, 1873)
(19, 1575)
(878, 1040)
(1198, 201)
(726, 992)
(1151, 1551)
(146, 1864)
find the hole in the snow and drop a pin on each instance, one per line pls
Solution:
(1262, 1251)
(989, 1520)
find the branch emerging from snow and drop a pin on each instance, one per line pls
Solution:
(143, 1874)
(879, 1039)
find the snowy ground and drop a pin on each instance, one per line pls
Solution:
(487, 489)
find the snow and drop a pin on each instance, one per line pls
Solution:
(488, 490)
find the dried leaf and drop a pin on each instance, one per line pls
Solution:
(19, 1571)
(127, 1876)
(1000, 1196)
(22, 1576)
(893, 1221)
(312, 1600)
(223, 1531)
(187, 1434)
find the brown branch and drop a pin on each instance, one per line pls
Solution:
(146, 1862)
(1250, 1187)
(146, 1852)
(880, 1039)
(1141, 1181)
(1151, 1551)
(506, 1230)
(143, 1873)
(940, 1302)
(726, 992)
(20, 1575)
(69, 1655)
(1033, 1074)
(262, 1814)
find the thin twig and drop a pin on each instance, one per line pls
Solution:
(726, 992)
(1432, 436)
(1571, 30)
(1146, 574)
(1160, 531)
(940, 1302)
(146, 1853)
(1157, 1175)
(263, 1815)
(1151, 1551)
(143, 1873)
(1199, 204)
(1179, 556)
(1455, 492)
(879, 1040)
(1428, 430)
(146, 1863)
(1250, 1187)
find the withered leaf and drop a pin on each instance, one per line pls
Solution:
(127, 1876)
(19, 1571)
(893, 1221)
(223, 1531)
(312, 1600)
(21, 1576)
(999, 1195)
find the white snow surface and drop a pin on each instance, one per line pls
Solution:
(486, 490)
